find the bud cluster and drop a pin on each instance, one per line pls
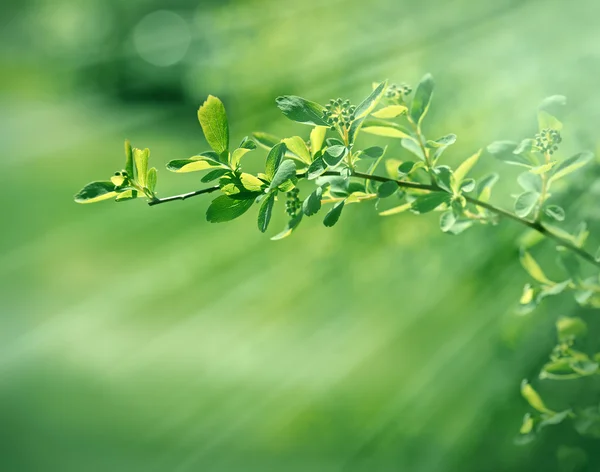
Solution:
(396, 92)
(292, 205)
(547, 140)
(339, 113)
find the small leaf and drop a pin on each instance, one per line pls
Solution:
(96, 191)
(442, 142)
(236, 156)
(333, 215)
(265, 211)
(224, 208)
(369, 103)
(289, 228)
(126, 195)
(530, 182)
(333, 155)
(525, 203)
(214, 175)
(571, 165)
(467, 185)
(297, 145)
(422, 99)
(286, 171)
(140, 158)
(391, 111)
(387, 189)
(129, 160)
(213, 119)
(312, 203)
(569, 328)
(444, 178)
(385, 129)
(396, 210)
(317, 137)
(252, 183)
(504, 150)
(407, 167)
(430, 201)
(151, 180)
(555, 212)
(533, 268)
(527, 426)
(301, 110)
(374, 152)
(447, 220)
(463, 170)
(266, 140)
(411, 145)
(193, 164)
(543, 168)
(274, 159)
(533, 398)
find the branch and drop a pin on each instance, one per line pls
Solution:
(534, 225)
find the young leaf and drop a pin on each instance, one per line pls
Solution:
(236, 156)
(289, 228)
(422, 99)
(274, 159)
(568, 328)
(96, 191)
(530, 182)
(265, 211)
(525, 203)
(215, 126)
(444, 178)
(316, 169)
(369, 103)
(406, 168)
(286, 171)
(224, 208)
(533, 398)
(465, 167)
(151, 180)
(265, 140)
(193, 164)
(126, 195)
(333, 215)
(484, 188)
(571, 165)
(533, 268)
(297, 145)
(411, 145)
(317, 137)
(385, 128)
(447, 220)
(504, 150)
(391, 111)
(334, 155)
(374, 152)
(214, 175)
(140, 158)
(442, 142)
(387, 189)
(312, 203)
(129, 160)
(429, 202)
(467, 185)
(301, 110)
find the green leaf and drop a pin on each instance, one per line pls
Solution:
(530, 182)
(442, 142)
(391, 111)
(265, 211)
(312, 203)
(527, 426)
(569, 328)
(193, 164)
(504, 150)
(213, 119)
(247, 143)
(316, 169)
(429, 202)
(369, 103)
(265, 140)
(422, 99)
(447, 220)
(407, 167)
(333, 155)
(444, 178)
(214, 175)
(274, 159)
(465, 167)
(399, 209)
(533, 268)
(140, 158)
(525, 203)
(333, 215)
(467, 185)
(224, 208)
(411, 145)
(374, 152)
(526, 147)
(151, 180)
(243, 187)
(571, 165)
(546, 120)
(286, 171)
(543, 168)
(236, 156)
(533, 398)
(387, 189)
(484, 188)
(96, 191)
(289, 228)
(550, 111)
(385, 128)
(129, 160)
(301, 110)
(317, 137)
(297, 145)
(126, 195)
(555, 212)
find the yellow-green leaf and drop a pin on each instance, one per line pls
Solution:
(533, 268)
(213, 119)
(533, 398)
(391, 111)
(297, 145)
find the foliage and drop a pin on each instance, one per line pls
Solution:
(342, 173)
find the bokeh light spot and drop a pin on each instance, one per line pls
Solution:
(162, 38)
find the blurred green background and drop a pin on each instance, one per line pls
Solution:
(144, 339)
